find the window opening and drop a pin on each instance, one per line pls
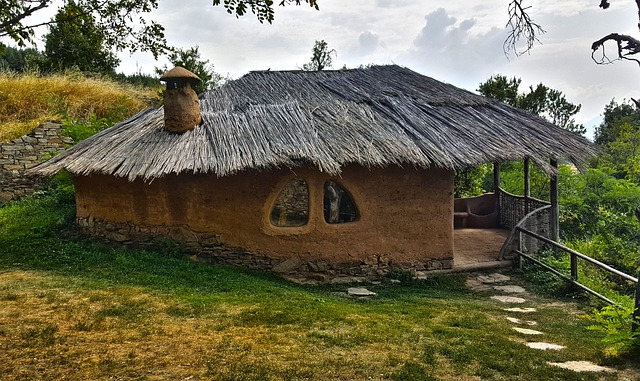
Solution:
(291, 208)
(339, 208)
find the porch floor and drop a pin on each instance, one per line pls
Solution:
(478, 248)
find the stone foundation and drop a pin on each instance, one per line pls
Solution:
(25, 152)
(206, 247)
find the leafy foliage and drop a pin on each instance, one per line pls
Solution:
(549, 103)
(124, 22)
(79, 130)
(263, 9)
(74, 40)
(472, 182)
(616, 322)
(19, 60)
(320, 57)
(190, 60)
(616, 115)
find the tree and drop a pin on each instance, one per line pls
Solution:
(548, 103)
(523, 28)
(19, 60)
(75, 41)
(118, 19)
(320, 57)
(190, 60)
(616, 115)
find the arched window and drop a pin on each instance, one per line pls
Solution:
(338, 205)
(291, 208)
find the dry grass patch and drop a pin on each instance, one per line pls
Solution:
(52, 327)
(27, 100)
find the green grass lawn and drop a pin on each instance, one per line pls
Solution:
(76, 310)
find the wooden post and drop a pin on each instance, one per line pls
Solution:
(553, 197)
(527, 185)
(496, 177)
(496, 190)
(636, 307)
(636, 312)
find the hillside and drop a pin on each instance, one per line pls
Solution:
(29, 99)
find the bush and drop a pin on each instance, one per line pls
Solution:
(616, 322)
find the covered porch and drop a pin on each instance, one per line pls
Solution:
(483, 224)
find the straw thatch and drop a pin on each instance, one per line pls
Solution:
(378, 116)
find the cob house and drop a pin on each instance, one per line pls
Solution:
(339, 172)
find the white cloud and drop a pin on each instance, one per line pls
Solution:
(457, 41)
(455, 51)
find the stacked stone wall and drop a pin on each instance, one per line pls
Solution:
(25, 152)
(206, 247)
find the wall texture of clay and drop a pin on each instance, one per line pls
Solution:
(405, 215)
(25, 152)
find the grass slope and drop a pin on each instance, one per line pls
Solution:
(26, 100)
(76, 310)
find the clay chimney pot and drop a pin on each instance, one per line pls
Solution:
(181, 106)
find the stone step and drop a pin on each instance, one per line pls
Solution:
(544, 346)
(525, 310)
(526, 331)
(508, 299)
(518, 321)
(510, 289)
(582, 366)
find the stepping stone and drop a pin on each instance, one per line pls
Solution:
(493, 278)
(544, 346)
(510, 289)
(526, 331)
(582, 366)
(518, 321)
(508, 299)
(358, 291)
(518, 309)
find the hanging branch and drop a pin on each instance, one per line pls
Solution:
(522, 27)
(627, 45)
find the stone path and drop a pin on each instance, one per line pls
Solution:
(517, 315)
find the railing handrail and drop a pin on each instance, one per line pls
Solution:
(507, 243)
(523, 197)
(578, 254)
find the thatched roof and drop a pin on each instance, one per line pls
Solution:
(378, 116)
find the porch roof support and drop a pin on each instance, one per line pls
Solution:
(553, 198)
(527, 185)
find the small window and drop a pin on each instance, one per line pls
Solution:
(338, 205)
(291, 208)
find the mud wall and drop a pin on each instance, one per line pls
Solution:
(405, 215)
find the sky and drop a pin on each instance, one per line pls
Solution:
(455, 41)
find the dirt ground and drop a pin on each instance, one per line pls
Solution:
(473, 246)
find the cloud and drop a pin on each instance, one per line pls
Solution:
(456, 51)
(368, 42)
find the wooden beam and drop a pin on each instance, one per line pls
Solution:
(553, 198)
(496, 177)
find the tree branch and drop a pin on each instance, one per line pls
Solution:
(627, 46)
(522, 28)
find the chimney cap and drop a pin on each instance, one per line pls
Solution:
(180, 75)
